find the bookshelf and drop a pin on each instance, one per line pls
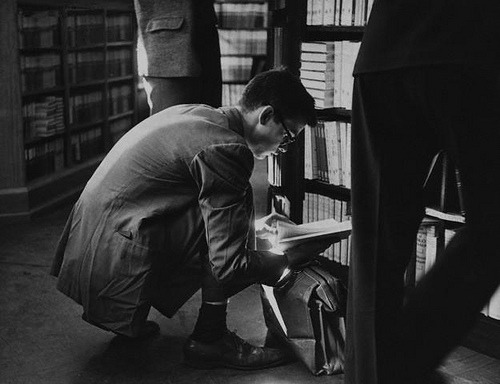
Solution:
(303, 192)
(69, 84)
(242, 26)
(311, 181)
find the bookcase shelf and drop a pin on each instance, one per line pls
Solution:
(65, 62)
(332, 32)
(41, 92)
(325, 189)
(121, 115)
(334, 114)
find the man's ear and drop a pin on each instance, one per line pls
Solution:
(266, 114)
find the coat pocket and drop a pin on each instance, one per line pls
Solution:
(165, 24)
(132, 266)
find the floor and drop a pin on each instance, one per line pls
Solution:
(44, 340)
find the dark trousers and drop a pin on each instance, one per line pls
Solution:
(401, 119)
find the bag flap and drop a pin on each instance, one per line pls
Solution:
(328, 288)
(165, 23)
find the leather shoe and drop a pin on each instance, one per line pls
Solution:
(231, 352)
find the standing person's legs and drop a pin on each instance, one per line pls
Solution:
(448, 299)
(391, 154)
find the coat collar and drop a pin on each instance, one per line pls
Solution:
(235, 119)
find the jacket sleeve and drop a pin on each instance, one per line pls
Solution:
(222, 173)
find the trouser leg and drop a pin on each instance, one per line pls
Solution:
(434, 108)
(391, 155)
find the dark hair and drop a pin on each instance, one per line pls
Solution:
(284, 92)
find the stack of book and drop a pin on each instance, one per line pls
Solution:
(326, 71)
(43, 118)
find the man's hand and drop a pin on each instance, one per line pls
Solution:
(304, 252)
(265, 227)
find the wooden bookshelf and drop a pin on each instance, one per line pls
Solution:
(68, 76)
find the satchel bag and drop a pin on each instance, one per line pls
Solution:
(308, 315)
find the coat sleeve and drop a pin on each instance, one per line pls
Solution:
(222, 173)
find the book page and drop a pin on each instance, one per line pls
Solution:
(289, 235)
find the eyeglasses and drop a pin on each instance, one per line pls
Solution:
(288, 138)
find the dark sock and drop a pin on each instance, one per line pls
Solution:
(211, 323)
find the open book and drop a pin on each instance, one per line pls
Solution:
(290, 235)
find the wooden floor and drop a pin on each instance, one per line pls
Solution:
(478, 368)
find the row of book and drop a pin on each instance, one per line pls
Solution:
(326, 71)
(117, 128)
(338, 12)
(89, 65)
(231, 93)
(85, 29)
(274, 166)
(44, 158)
(119, 62)
(318, 207)
(38, 29)
(236, 68)
(86, 66)
(242, 42)
(43, 118)
(119, 28)
(327, 152)
(86, 145)
(241, 15)
(427, 250)
(120, 99)
(86, 107)
(40, 71)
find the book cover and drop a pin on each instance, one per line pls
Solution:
(317, 46)
(318, 76)
(317, 66)
(317, 84)
(317, 56)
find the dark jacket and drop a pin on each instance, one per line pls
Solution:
(408, 33)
